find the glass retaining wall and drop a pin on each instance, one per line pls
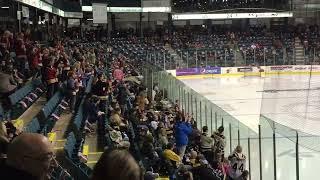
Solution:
(273, 151)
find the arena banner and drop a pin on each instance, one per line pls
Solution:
(212, 70)
(187, 71)
(285, 68)
(198, 71)
(245, 69)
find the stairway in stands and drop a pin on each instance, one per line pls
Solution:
(299, 52)
(177, 58)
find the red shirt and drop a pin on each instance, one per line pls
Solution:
(51, 73)
(20, 48)
(35, 59)
(5, 43)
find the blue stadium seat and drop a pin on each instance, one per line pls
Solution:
(33, 126)
(51, 105)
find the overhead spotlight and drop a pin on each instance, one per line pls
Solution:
(5, 7)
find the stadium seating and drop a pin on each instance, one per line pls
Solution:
(33, 126)
(48, 109)
(23, 98)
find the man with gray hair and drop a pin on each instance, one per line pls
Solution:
(30, 157)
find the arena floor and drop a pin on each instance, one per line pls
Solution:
(290, 100)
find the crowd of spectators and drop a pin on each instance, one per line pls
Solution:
(166, 139)
(256, 45)
(158, 133)
(210, 5)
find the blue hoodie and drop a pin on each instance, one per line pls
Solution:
(182, 131)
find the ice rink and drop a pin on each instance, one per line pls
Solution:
(293, 101)
(290, 100)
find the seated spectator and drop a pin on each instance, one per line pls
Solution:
(4, 141)
(8, 84)
(148, 149)
(116, 164)
(100, 88)
(184, 174)
(12, 131)
(169, 154)
(163, 139)
(116, 119)
(35, 161)
(91, 106)
(118, 140)
(204, 171)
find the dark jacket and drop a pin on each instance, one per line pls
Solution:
(8, 173)
(203, 172)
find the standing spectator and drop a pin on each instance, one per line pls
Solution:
(21, 53)
(182, 131)
(237, 163)
(50, 76)
(206, 144)
(34, 60)
(72, 90)
(91, 56)
(100, 89)
(219, 144)
(122, 97)
(5, 43)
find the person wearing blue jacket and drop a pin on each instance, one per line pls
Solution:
(182, 130)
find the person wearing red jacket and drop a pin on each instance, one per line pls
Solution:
(21, 53)
(34, 60)
(51, 77)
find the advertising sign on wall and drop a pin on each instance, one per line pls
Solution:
(198, 71)
(245, 69)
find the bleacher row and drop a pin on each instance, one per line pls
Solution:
(22, 99)
(45, 120)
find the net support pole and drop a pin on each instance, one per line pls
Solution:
(211, 120)
(216, 119)
(206, 58)
(260, 153)
(196, 58)
(205, 113)
(297, 157)
(187, 59)
(200, 110)
(196, 109)
(222, 122)
(238, 137)
(264, 56)
(230, 138)
(189, 103)
(274, 154)
(249, 155)
(164, 61)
